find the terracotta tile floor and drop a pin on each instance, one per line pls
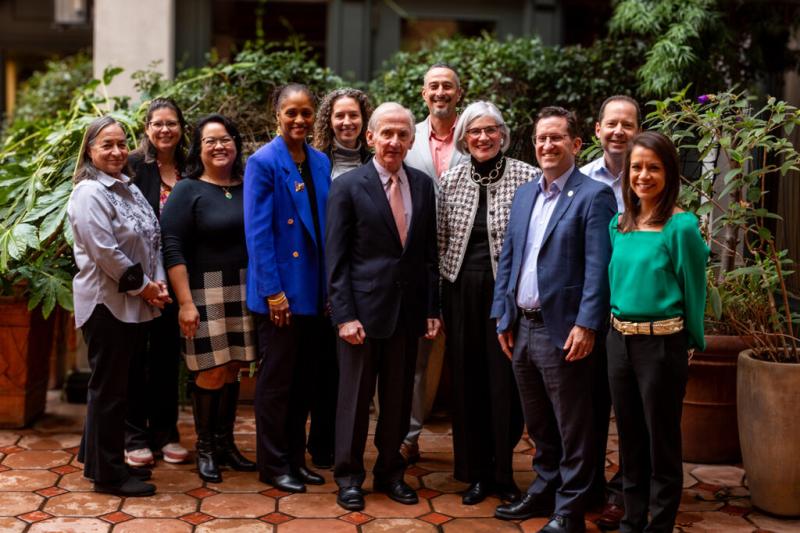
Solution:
(42, 490)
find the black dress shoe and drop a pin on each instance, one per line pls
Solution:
(309, 476)
(528, 506)
(399, 491)
(140, 473)
(507, 492)
(129, 488)
(563, 524)
(476, 493)
(351, 498)
(286, 483)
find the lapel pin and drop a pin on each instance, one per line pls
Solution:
(300, 187)
(570, 193)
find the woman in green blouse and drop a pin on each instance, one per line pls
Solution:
(658, 290)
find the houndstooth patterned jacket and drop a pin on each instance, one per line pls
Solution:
(458, 203)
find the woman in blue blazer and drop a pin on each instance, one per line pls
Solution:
(285, 195)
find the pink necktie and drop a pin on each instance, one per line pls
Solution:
(398, 211)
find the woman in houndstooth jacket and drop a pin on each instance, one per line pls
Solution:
(473, 212)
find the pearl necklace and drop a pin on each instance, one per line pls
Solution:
(494, 174)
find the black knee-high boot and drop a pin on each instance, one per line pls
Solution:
(227, 452)
(206, 408)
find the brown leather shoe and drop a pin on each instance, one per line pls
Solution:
(410, 452)
(610, 517)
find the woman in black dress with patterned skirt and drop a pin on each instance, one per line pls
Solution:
(206, 259)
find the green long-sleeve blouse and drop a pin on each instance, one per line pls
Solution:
(655, 275)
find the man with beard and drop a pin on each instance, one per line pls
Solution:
(433, 153)
(617, 123)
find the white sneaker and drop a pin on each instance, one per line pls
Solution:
(174, 453)
(140, 457)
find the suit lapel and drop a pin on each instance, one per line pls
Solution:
(416, 202)
(564, 200)
(297, 189)
(374, 188)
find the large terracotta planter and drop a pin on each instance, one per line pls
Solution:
(768, 396)
(25, 343)
(709, 433)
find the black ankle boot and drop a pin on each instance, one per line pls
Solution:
(206, 406)
(227, 452)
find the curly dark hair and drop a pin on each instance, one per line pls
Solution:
(194, 165)
(323, 132)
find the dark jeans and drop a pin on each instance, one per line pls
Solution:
(647, 374)
(113, 346)
(153, 409)
(603, 491)
(558, 413)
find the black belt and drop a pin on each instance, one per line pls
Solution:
(534, 315)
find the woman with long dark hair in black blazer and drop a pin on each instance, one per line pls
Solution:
(151, 421)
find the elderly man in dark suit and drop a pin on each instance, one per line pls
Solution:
(383, 287)
(551, 297)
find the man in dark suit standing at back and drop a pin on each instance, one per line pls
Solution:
(383, 285)
(550, 299)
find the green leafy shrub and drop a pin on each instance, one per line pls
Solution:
(241, 90)
(520, 76)
(52, 88)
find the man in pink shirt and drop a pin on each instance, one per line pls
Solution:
(433, 153)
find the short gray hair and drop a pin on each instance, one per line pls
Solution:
(473, 112)
(386, 108)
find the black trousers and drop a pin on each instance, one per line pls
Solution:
(113, 347)
(287, 356)
(325, 386)
(558, 413)
(602, 491)
(153, 409)
(487, 415)
(648, 376)
(392, 362)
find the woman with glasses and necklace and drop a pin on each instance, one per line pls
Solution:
(286, 192)
(206, 259)
(152, 418)
(473, 210)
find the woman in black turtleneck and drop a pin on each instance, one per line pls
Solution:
(473, 211)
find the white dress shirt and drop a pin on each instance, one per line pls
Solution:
(528, 287)
(598, 171)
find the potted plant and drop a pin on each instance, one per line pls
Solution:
(747, 290)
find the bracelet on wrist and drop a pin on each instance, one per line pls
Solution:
(277, 301)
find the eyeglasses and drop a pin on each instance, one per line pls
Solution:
(169, 124)
(474, 133)
(211, 142)
(554, 139)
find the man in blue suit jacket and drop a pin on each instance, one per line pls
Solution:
(383, 285)
(550, 299)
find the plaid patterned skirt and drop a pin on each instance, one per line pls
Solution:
(226, 331)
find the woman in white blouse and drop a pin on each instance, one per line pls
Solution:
(118, 289)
